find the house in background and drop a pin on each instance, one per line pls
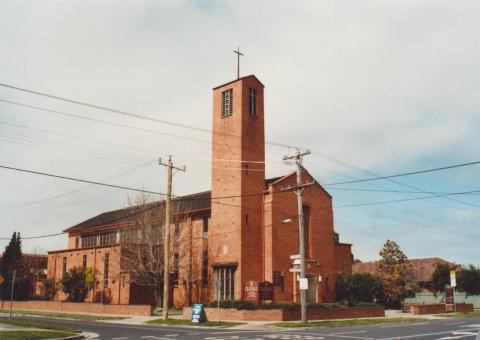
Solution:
(422, 269)
(234, 234)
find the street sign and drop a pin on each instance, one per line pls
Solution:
(297, 261)
(294, 257)
(1, 279)
(303, 283)
(294, 270)
(453, 278)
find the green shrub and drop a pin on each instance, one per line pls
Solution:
(248, 305)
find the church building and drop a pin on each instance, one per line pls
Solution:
(241, 233)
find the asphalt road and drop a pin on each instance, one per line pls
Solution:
(449, 328)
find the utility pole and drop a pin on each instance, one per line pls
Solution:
(298, 189)
(166, 240)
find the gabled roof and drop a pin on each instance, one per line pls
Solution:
(278, 180)
(233, 81)
(196, 202)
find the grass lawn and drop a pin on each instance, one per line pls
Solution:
(50, 331)
(35, 324)
(342, 323)
(182, 322)
(171, 311)
(33, 335)
(82, 317)
(460, 315)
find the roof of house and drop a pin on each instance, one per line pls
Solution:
(422, 268)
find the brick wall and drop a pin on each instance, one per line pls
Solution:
(439, 308)
(285, 315)
(72, 307)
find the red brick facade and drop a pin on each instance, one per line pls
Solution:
(238, 226)
(233, 314)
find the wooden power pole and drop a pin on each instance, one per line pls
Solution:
(298, 189)
(166, 241)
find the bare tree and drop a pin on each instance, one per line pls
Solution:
(142, 244)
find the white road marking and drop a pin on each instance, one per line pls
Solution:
(422, 335)
(147, 336)
(353, 332)
(123, 338)
(171, 335)
(455, 323)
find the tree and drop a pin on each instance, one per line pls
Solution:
(359, 287)
(441, 277)
(13, 260)
(396, 274)
(74, 285)
(469, 280)
(142, 246)
(48, 289)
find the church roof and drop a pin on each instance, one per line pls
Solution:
(184, 204)
(181, 205)
(233, 81)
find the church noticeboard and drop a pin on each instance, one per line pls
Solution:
(198, 314)
(251, 291)
(266, 291)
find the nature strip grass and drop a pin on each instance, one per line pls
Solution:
(81, 317)
(33, 335)
(349, 322)
(460, 315)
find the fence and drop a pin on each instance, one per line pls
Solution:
(429, 298)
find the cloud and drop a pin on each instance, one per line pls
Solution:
(387, 87)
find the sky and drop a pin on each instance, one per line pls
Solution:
(370, 87)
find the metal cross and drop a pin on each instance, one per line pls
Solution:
(238, 60)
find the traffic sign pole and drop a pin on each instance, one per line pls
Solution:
(11, 295)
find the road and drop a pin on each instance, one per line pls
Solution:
(448, 328)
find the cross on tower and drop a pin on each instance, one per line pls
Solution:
(238, 60)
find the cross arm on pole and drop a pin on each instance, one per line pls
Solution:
(298, 187)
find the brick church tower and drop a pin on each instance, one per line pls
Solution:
(235, 241)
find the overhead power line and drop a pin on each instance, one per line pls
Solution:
(409, 199)
(33, 237)
(104, 108)
(406, 173)
(123, 112)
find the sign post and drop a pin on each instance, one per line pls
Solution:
(11, 295)
(453, 284)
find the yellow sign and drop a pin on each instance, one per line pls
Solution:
(89, 275)
(453, 278)
(1, 279)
